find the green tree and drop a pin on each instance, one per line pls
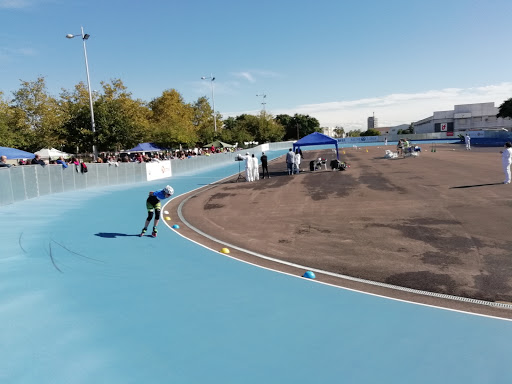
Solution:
(408, 131)
(248, 124)
(505, 109)
(240, 129)
(298, 126)
(339, 132)
(354, 133)
(36, 115)
(286, 122)
(7, 135)
(229, 131)
(269, 130)
(121, 122)
(203, 121)
(229, 123)
(171, 122)
(370, 132)
(76, 130)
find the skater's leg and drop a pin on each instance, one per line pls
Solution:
(148, 220)
(157, 219)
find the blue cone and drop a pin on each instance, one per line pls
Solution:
(176, 226)
(309, 275)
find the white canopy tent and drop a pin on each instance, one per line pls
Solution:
(51, 153)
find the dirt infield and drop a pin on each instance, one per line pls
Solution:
(439, 222)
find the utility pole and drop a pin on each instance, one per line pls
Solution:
(263, 101)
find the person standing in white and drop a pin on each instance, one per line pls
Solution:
(506, 160)
(296, 161)
(248, 166)
(467, 139)
(255, 168)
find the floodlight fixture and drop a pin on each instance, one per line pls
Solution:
(93, 126)
(212, 79)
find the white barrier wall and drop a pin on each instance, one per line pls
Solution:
(29, 181)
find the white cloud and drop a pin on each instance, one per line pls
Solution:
(25, 4)
(231, 87)
(15, 4)
(220, 87)
(252, 75)
(400, 108)
(8, 53)
(25, 52)
(245, 75)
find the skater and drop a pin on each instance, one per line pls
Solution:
(153, 205)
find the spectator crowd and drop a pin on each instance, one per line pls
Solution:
(114, 158)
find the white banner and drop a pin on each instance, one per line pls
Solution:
(361, 139)
(265, 147)
(158, 170)
(444, 127)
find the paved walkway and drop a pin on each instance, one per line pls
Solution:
(439, 222)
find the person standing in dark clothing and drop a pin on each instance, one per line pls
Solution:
(290, 161)
(38, 160)
(264, 165)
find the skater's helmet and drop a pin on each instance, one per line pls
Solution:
(168, 189)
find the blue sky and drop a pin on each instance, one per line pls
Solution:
(339, 61)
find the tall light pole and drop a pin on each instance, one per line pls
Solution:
(263, 102)
(212, 79)
(93, 126)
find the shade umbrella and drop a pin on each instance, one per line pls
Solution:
(145, 147)
(13, 153)
(219, 144)
(49, 153)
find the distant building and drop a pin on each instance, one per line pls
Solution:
(329, 131)
(464, 117)
(392, 130)
(372, 122)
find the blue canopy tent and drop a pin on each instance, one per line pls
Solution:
(13, 153)
(145, 147)
(316, 138)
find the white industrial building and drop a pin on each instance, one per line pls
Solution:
(464, 117)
